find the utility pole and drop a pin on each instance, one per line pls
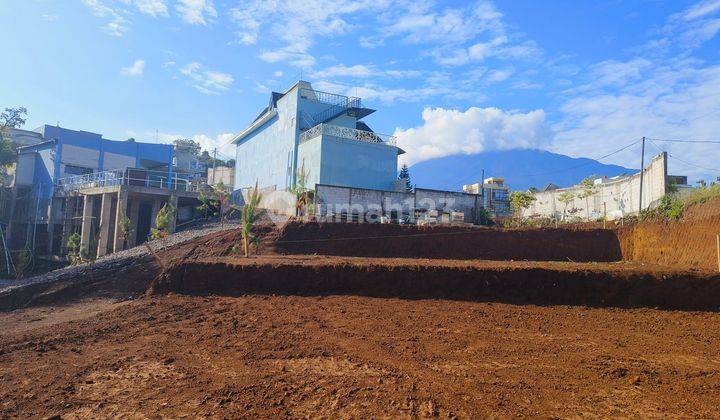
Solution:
(214, 164)
(642, 172)
(482, 188)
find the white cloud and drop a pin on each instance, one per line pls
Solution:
(207, 142)
(447, 132)
(196, 12)
(221, 142)
(672, 99)
(135, 70)
(116, 26)
(701, 9)
(207, 81)
(496, 76)
(341, 70)
(423, 25)
(48, 17)
(361, 71)
(295, 24)
(153, 8)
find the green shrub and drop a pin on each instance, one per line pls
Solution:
(671, 207)
(73, 247)
(163, 227)
(702, 194)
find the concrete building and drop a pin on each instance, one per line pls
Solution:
(24, 137)
(617, 196)
(224, 174)
(79, 181)
(320, 132)
(495, 195)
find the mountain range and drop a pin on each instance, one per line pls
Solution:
(521, 169)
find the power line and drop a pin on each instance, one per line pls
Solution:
(586, 163)
(681, 160)
(686, 141)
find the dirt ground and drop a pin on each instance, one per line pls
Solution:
(342, 333)
(343, 356)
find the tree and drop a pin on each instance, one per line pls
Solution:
(521, 200)
(125, 226)
(566, 197)
(249, 217)
(588, 190)
(300, 190)
(222, 194)
(13, 117)
(405, 174)
(73, 247)
(163, 227)
(10, 118)
(208, 204)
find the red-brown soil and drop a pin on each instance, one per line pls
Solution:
(344, 356)
(453, 331)
(376, 240)
(688, 243)
(544, 283)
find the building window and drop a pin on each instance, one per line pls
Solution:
(77, 170)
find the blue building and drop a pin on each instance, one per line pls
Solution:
(73, 180)
(320, 133)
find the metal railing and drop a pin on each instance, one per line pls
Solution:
(130, 176)
(347, 133)
(330, 98)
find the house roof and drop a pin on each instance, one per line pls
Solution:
(360, 125)
(550, 187)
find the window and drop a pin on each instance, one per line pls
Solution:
(71, 170)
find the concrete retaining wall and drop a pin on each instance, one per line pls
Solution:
(333, 200)
(621, 197)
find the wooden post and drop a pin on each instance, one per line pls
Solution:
(717, 237)
(604, 215)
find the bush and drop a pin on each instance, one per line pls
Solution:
(485, 218)
(73, 247)
(702, 194)
(671, 207)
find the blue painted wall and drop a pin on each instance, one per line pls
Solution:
(272, 154)
(336, 161)
(48, 166)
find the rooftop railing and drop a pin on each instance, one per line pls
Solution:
(347, 133)
(330, 98)
(132, 177)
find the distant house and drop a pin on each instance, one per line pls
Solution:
(78, 181)
(319, 134)
(494, 194)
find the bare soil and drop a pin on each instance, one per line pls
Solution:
(379, 321)
(344, 356)
(545, 283)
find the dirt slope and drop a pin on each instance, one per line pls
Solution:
(376, 240)
(686, 243)
(545, 283)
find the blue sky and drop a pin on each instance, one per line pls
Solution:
(447, 77)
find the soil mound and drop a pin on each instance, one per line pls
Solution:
(520, 282)
(447, 242)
